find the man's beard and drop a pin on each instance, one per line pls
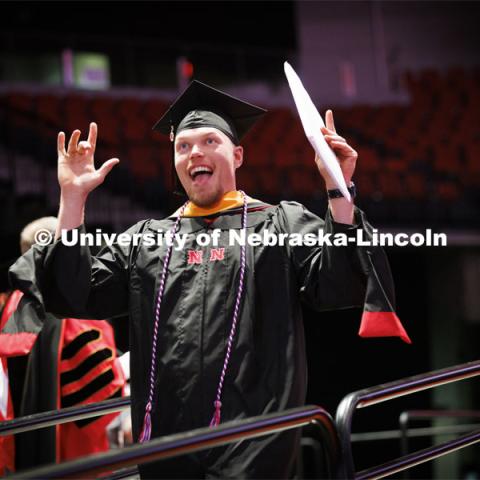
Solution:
(206, 200)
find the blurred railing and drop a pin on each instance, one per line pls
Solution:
(389, 391)
(416, 415)
(56, 417)
(338, 449)
(195, 440)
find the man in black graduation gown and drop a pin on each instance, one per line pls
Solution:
(215, 331)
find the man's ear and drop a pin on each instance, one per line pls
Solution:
(238, 156)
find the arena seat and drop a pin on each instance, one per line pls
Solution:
(76, 113)
(303, 181)
(103, 112)
(429, 147)
(247, 180)
(134, 128)
(129, 107)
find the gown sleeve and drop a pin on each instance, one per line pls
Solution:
(334, 277)
(69, 281)
(329, 277)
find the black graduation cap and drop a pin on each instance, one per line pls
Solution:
(203, 106)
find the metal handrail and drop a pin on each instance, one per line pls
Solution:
(416, 458)
(119, 474)
(380, 435)
(389, 391)
(406, 416)
(196, 440)
(56, 417)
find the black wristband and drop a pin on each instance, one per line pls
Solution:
(336, 193)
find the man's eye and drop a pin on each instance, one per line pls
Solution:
(210, 141)
(183, 146)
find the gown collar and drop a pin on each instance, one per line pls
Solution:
(229, 200)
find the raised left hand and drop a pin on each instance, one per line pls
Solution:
(346, 155)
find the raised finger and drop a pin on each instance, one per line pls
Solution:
(344, 147)
(327, 131)
(72, 144)
(92, 134)
(83, 146)
(329, 121)
(105, 169)
(335, 138)
(61, 143)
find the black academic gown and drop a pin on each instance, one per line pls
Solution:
(267, 371)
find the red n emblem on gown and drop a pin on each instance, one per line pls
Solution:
(217, 254)
(195, 256)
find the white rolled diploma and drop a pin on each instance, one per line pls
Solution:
(312, 123)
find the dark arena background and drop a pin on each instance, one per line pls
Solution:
(403, 80)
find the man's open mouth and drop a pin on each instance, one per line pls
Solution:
(201, 173)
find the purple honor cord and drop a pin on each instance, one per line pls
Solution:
(146, 432)
(217, 403)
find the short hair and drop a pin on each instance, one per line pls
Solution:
(27, 237)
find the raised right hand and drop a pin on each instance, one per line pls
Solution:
(77, 175)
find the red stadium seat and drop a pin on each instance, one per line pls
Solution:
(129, 107)
(247, 180)
(76, 108)
(368, 158)
(21, 110)
(390, 185)
(135, 128)
(447, 190)
(143, 163)
(303, 181)
(415, 186)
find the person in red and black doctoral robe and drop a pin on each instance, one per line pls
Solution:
(70, 362)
